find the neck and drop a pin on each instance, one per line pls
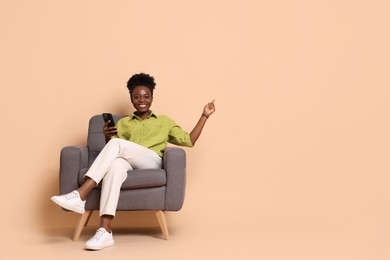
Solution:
(143, 115)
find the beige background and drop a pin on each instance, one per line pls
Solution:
(293, 165)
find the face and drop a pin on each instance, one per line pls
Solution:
(142, 99)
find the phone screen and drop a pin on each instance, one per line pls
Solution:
(108, 116)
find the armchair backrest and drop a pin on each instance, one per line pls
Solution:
(96, 140)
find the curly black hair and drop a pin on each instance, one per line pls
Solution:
(141, 79)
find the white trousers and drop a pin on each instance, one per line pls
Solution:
(111, 166)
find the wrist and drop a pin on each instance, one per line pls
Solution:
(205, 115)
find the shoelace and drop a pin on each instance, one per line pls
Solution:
(98, 235)
(72, 196)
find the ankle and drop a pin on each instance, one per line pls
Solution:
(81, 195)
(108, 229)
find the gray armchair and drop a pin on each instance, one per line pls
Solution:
(156, 190)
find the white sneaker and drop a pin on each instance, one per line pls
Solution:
(100, 240)
(70, 201)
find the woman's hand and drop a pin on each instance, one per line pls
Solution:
(209, 109)
(109, 131)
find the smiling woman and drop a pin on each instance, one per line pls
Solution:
(136, 141)
(141, 98)
(141, 88)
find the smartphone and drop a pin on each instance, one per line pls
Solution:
(108, 116)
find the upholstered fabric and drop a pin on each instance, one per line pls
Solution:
(145, 178)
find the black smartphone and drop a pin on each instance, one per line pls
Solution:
(108, 116)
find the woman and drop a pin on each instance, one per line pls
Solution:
(136, 142)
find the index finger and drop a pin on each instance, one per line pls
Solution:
(106, 123)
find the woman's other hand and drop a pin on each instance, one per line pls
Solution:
(209, 109)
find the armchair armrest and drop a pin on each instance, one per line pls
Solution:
(175, 167)
(72, 160)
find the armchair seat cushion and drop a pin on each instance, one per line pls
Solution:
(136, 179)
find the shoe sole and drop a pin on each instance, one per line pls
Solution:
(111, 243)
(68, 207)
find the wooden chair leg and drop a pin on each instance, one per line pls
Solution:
(163, 223)
(89, 217)
(83, 220)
